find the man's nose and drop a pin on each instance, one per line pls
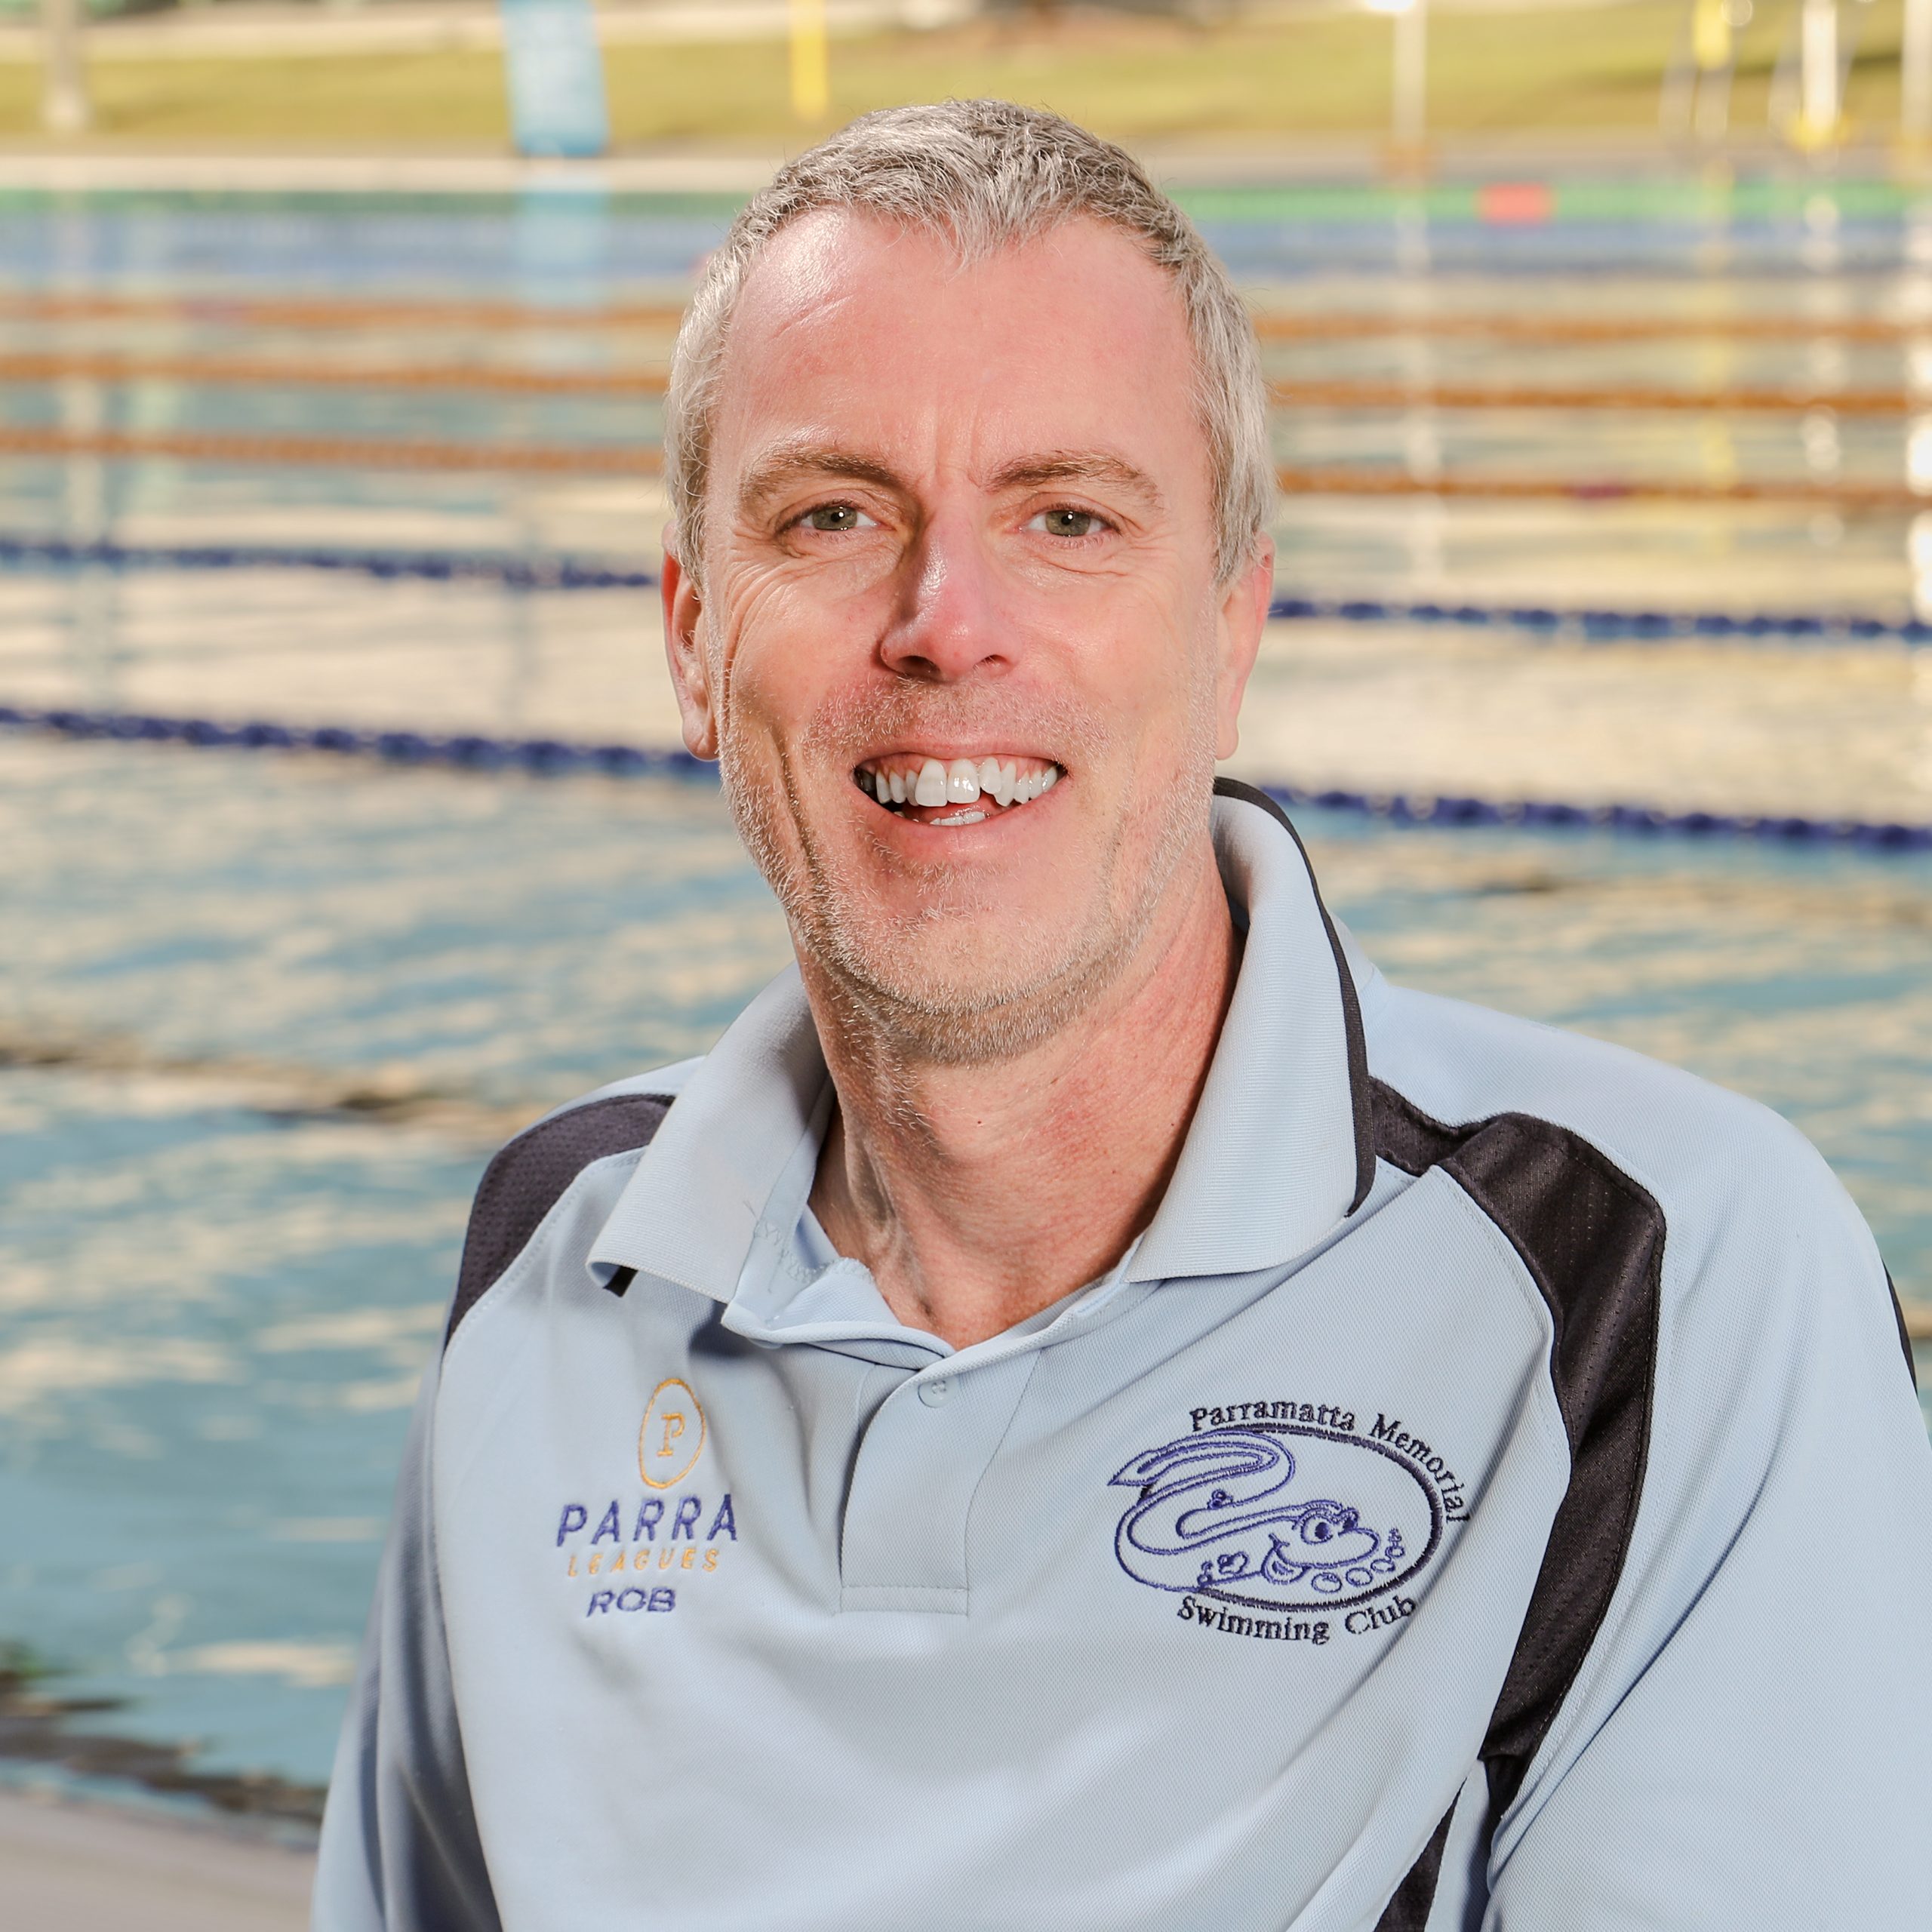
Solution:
(951, 621)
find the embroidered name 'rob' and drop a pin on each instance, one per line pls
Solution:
(1278, 1516)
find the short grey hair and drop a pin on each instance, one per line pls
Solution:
(989, 175)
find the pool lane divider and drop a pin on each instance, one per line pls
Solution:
(1737, 399)
(285, 451)
(1555, 624)
(284, 371)
(555, 758)
(216, 310)
(521, 572)
(280, 450)
(19, 366)
(547, 757)
(1548, 622)
(1360, 480)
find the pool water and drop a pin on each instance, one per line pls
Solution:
(262, 1017)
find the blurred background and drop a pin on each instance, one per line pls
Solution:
(341, 830)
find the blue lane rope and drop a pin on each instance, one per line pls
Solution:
(525, 573)
(546, 756)
(436, 566)
(1601, 626)
(551, 757)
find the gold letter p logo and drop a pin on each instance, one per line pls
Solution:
(663, 1460)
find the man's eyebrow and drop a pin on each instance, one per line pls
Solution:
(790, 462)
(1081, 466)
(786, 464)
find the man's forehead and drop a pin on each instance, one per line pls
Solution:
(832, 258)
(848, 322)
(808, 263)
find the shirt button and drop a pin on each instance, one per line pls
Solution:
(934, 1393)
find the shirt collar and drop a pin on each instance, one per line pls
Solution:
(1280, 1148)
(690, 1211)
(1277, 1153)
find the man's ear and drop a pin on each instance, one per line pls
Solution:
(683, 651)
(1244, 614)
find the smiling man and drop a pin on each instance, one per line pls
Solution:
(1088, 1409)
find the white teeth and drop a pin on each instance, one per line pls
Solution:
(964, 782)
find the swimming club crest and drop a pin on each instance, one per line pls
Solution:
(1279, 1516)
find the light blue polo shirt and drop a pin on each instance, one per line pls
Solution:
(1489, 1493)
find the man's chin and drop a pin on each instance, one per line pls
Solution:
(972, 1007)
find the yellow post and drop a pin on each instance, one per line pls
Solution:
(811, 80)
(1710, 35)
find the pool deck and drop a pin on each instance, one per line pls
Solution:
(87, 1868)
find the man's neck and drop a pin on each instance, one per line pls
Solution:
(979, 1194)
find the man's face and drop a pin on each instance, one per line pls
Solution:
(960, 545)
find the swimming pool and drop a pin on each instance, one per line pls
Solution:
(263, 1015)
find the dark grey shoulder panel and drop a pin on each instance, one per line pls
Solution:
(528, 1177)
(1357, 1041)
(1592, 1240)
(1905, 1334)
(1408, 1910)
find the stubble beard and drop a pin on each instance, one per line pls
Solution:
(1030, 977)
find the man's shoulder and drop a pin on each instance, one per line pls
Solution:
(1727, 1175)
(1699, 1258)
(664, 1083)
(619, 1118)
(532, 1173)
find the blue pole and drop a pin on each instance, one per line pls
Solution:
(555, 74)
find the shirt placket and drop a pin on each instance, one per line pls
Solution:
(921, 1461)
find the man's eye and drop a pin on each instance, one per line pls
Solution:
(835, 517)
(1066, 522)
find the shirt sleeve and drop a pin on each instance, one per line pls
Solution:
(1748, 1741)
(400, 1849)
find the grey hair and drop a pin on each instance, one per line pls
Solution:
(989, 175)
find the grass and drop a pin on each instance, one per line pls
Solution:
(1135, 80)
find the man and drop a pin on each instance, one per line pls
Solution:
(1088, 1409)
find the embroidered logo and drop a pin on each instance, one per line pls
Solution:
(639, 1550)
(672, 1439)
(1282, 1516)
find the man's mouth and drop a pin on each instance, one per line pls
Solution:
(954, 791)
